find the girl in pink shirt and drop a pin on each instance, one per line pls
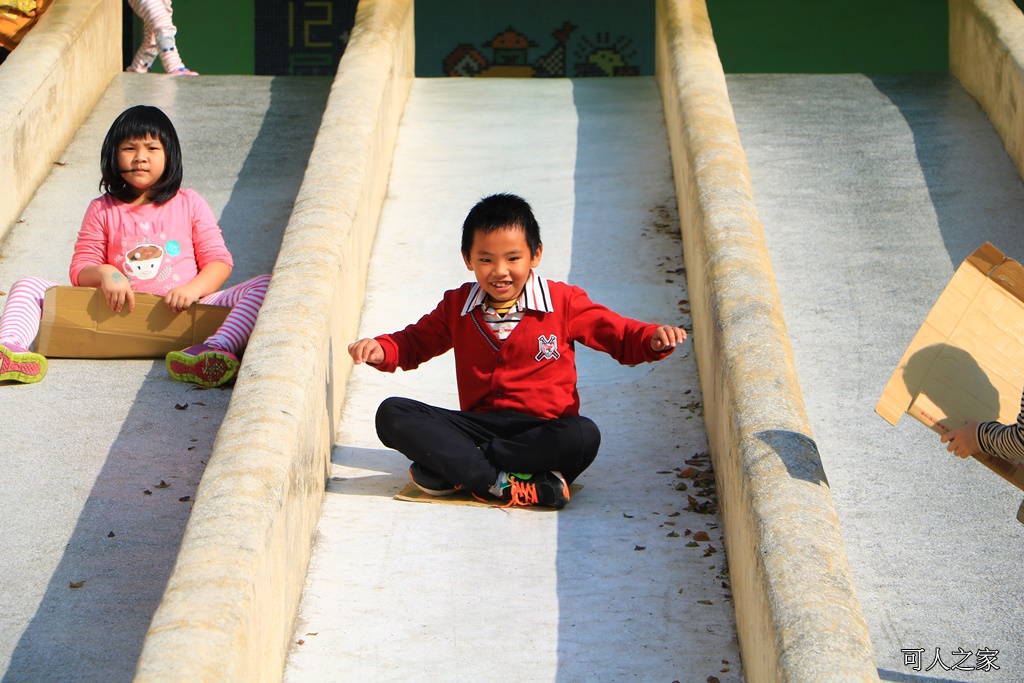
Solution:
(144, 234)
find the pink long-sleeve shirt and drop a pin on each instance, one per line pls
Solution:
(157, 246)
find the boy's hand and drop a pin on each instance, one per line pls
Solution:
(117, 289)
(666, 337)
(963, 442)
(366, 351)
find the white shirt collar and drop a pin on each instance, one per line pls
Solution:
(535, 296)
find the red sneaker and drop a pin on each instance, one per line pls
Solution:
(202, 365)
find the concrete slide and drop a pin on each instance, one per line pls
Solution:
(161, 533)
(614, 587)
(147, 541)
(872, 190)
(102, 458)
(102, 480)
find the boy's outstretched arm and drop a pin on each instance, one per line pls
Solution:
(666, 337)
(366, 350)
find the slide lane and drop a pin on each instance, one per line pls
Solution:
(88, 450)
(611, 588)
(872, 191)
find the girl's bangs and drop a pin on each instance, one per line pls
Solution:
(137, 128)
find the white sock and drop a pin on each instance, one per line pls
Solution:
(499, 484)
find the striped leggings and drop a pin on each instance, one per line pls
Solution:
(24, 311)
(158, 36)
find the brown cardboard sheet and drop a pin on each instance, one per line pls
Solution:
(967, 359)
(77, 323)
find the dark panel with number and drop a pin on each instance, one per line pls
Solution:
(302, 37)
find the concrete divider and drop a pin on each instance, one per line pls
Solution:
(986, 53)
(48, 85)
(229, 608)
(797, 613)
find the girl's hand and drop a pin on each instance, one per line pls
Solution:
(666, 337)
(180, 298)
(366, 351)
(963, 442)
(117, 289)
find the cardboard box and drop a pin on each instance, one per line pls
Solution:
(967, 360)
(77, 323)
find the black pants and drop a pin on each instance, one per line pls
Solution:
(469, 449)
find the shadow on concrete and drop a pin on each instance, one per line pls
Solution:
(376, 482)
(127, 535)
(797, 452)
(262, 199)
(642, 582)
(125, 540)
(900, 677)
(975, 189)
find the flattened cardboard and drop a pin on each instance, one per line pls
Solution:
(77, 323)
(967, 360)
(413, 494)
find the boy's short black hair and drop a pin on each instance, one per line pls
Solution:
(497, 212)
(134, 124)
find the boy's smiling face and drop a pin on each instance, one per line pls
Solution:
(501, 261)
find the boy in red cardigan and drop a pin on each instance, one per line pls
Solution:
(519, 435)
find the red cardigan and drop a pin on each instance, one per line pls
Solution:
(534, 370)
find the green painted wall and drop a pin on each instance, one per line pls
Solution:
(213, 37)
(831, 36)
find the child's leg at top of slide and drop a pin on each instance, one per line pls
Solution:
(159, 39)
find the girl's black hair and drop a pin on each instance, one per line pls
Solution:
(497, 212)
(134, 124)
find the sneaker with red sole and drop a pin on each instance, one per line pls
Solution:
(203, 365)
(18, 365)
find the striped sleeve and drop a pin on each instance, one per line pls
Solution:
(1004, 441)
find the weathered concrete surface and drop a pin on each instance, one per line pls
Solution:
(84, 446)
(230, 604)
(610, 588)
(872, 190)
(47, 87)
(797, 612)
(986, 52)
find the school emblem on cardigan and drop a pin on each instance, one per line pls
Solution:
(548, 348)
